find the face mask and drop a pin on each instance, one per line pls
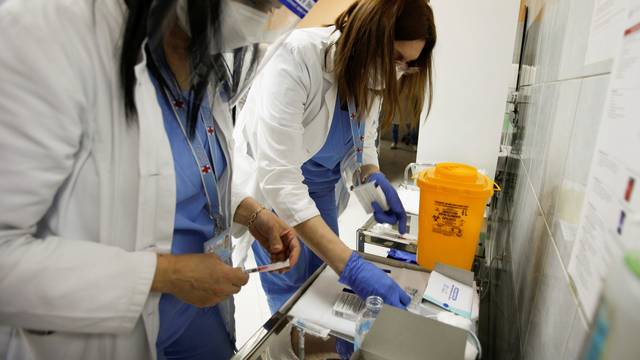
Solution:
(248, 35)
(399, 72)
(243, 25)
(378, 85)
(183, 16)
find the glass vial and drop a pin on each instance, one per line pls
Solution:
(366, 319)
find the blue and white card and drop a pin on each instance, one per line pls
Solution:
(449, 294)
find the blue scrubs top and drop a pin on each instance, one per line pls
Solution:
(321, 174)
(188, 332)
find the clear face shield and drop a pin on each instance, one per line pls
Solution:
(229, 41)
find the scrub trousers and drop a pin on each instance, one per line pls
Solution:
(203, 338)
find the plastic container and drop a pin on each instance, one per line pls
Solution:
(452, 203)
(365, 321)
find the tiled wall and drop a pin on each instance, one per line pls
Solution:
(534, 309)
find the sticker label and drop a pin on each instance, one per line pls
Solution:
(449, 219)
(299, 7)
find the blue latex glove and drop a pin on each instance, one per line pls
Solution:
(402, 256)
(396, 213)
(344, 349)
(365, 279)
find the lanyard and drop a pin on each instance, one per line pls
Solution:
(357, 133)
(209, 173)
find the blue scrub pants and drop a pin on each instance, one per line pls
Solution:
(204, 337)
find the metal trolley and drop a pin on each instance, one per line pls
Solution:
(256, 348)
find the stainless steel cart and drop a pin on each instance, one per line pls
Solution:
(257, 346)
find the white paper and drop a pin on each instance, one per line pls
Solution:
(410, 200)
(449, 294)
(607, 23)
(369, 193)
(613, 191)
(317, 303)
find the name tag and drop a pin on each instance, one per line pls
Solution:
(221, 246)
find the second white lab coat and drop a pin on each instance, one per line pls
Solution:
(86, 200)
(285, 121)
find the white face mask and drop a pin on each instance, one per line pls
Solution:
(242, 24)
(379, 85)
(183, 16)
(399, 72)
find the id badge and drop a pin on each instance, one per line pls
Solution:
(349, 167)
(221, 246)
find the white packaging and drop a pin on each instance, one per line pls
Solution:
(449, 294)
(368, 193)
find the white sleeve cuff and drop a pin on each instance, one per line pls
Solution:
(144, 264)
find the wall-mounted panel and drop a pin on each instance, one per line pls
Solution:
(576, 339)
(528, 245)
(570, 195)
(560, 104)
(553, 313)
(552, 143)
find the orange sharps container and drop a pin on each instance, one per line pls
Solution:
(452, 203)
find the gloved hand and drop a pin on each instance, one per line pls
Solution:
(344, 349)
(365, 279)
(396, 213)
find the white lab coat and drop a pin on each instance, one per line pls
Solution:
(285, 121)
(85, 199)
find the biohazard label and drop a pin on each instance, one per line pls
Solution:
(449, 219)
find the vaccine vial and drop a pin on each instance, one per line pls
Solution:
(373, 305)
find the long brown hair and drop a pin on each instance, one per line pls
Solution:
(364, 56)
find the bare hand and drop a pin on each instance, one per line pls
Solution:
(278, 238)
(199, 279)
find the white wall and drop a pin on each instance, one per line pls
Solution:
(473, 70)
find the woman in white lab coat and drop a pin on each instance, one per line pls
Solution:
(105, 207)
(297, 129)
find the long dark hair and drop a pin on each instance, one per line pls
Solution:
(364, 52)
(204, 21)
